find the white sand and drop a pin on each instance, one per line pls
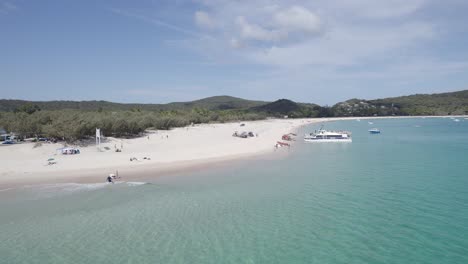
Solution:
(174, 149)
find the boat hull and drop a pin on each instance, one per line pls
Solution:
(347, 140)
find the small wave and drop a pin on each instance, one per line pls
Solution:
(71, 187)
(40, 191)
(77, 187)
(7, 189)
(136, 183)
(129, 183)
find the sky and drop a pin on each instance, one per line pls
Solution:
(321, 51)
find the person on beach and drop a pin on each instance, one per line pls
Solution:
(109, 179)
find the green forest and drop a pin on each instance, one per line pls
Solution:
(71, 125)
(71, 121)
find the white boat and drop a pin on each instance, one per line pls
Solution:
(456, 120)
(328, 136)
(374, 131)
(370, 123)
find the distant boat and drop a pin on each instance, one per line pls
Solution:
(374, 131)
(370, 123)
(359, 120)
(456, 120)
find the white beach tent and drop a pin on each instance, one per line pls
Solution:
(69, 151)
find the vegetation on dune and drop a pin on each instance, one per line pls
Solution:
(72, 121)
(71, 125)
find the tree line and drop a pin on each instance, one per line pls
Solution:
(72, 125)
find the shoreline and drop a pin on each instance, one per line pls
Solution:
(145, 172)
(172, 152)
(188, 155)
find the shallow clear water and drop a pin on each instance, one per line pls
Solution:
(397, 197)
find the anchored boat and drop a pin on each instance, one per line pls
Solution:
(328, 136)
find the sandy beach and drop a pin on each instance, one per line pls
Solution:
(156, 153)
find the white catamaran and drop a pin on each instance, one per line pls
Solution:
(328, 136)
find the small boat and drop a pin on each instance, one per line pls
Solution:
(370, 123)
(456, 120)
(374, 131)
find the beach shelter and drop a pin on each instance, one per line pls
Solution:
(69, 151)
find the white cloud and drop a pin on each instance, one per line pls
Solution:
(297, 18)
(259, 22)
(250, 31)
(346, 45)
(331, 32)
(204, 20)
(280, 25)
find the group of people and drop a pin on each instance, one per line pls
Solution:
(112, 177)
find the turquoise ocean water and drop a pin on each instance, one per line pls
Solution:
(397, 197)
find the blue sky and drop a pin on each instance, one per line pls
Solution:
(322, 51)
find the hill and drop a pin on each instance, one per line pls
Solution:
(12, 105)
(287, 107)
(419, 104)
(453, 103)
(216, 103)
(210, 103)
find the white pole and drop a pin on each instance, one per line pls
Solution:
(98, 138)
